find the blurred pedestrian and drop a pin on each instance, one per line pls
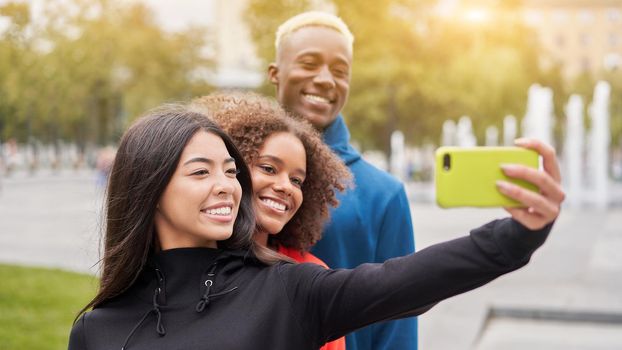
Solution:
(103, 165)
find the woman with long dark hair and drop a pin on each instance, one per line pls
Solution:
(181, 271)
(146, 161)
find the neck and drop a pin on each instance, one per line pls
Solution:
(181, 273)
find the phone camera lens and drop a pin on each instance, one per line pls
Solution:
(446, 162)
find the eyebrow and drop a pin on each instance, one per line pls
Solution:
(206, 160)
(317, 54)
(280, 162)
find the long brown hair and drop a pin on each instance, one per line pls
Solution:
(147, 157)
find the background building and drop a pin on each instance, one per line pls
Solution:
(237, 65)
(580, 35)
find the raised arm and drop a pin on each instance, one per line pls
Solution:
(332, 303)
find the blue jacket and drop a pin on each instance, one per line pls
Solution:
(371, 224)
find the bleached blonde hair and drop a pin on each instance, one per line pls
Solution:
(313, 19)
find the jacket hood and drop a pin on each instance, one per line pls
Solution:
(337, 137)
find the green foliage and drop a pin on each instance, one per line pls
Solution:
(38, 306)
(264, 17)
(90, 68)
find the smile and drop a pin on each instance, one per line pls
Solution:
(316, 98)
(223, 211)
(274, 205)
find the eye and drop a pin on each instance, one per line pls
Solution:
(233, 172)
(201, 172)
(308, 64)
(340, 72)
(297, 181)
(268, 169)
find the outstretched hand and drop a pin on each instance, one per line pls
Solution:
(540, 208)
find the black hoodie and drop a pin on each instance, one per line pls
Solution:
(202, 298)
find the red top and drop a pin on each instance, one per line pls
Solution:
(339, 344)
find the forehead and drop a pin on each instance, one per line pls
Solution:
(287, 146)
(315, 40)
(205, 144)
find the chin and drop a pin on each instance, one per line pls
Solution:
(223, 236)
(272, 228)
(320, 121)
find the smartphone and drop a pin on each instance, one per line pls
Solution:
(467, 176)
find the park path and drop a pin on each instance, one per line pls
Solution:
(50, 219)
(573, 284)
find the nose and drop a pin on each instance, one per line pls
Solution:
(283, 185)
(324, 77)
(224, 185)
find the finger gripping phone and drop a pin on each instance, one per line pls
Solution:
(467, 176)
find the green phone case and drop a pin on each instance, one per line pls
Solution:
(469, 180)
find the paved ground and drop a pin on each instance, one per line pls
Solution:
(568, 297)
(50, 220)
(576, 276)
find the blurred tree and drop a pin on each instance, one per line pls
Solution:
(615, 109)
(91, 67)
(15, 61)
(263, 18)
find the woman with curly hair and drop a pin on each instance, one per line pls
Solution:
(294, 174)
(266, 135)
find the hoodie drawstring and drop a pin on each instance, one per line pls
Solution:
(205, 299)
(159, 325)
(201, 305)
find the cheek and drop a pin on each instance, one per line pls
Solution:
(298, 196)
(167, 201)
(297, 76)
(344, 86)
(256, 179)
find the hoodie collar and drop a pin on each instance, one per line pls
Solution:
(337, 137)
(181, 272)
(182, 276)
(185, 263)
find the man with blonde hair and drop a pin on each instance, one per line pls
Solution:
(372, 224)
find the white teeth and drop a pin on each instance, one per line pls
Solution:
(275, 205)
(219, 211)
(316, 98)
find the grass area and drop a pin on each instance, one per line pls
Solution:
(37, 306)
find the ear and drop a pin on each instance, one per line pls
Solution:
(273, 71)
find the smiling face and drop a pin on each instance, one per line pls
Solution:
(278, 174)
(312, 74)
(201, 201)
